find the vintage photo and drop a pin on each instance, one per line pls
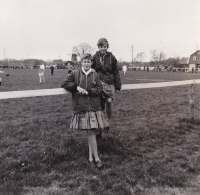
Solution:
(99, 97)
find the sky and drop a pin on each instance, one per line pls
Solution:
(48, 29)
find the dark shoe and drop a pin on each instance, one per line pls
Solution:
(92, 163)
(106, 130)
(99, 164)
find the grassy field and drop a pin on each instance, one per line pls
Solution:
(151, 147)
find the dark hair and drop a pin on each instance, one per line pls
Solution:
(102, 41)
(86, 56)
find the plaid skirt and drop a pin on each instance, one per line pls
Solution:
(89, 120)
(109, 90)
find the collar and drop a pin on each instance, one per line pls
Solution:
(88, 72)
(102, 55)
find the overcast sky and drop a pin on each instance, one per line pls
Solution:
(47, 29)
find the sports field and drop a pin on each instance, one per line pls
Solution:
(151, 147)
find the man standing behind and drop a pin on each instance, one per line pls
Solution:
(52, 69)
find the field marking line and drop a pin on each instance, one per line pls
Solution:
(147, 79)
(162, 84)
(61, 91)
(32, 93)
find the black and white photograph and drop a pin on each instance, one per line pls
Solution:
(99, 97)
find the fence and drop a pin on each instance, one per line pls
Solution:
(60, 91)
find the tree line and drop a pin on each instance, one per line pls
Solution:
(22, 62)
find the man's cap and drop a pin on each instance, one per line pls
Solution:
(102, 41)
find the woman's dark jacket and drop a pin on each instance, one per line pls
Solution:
(92, 84)
(107, 68)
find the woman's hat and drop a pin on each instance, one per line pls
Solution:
(102, 41)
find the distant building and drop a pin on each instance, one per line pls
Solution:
(194, 60)
(191, 63)
(183, 63)
(57, 62)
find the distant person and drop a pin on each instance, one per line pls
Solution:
(0, 77)
(86, 88)
(41, 73)
(52, 70)
(124, 68)
(105, 64)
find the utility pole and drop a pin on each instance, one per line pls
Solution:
(132, 54)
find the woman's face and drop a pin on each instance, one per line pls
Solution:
(86, 64)
(103, 48)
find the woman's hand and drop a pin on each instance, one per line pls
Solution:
(82, 91)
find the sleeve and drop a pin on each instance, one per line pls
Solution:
(97, 90)
(69, 84)
(116, 74)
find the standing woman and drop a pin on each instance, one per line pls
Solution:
(105, 64)
(41, 73)
(86, 88)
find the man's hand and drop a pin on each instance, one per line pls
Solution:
(82, 91)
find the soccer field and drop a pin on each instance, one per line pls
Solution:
(151, 147)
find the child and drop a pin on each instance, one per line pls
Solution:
(41, 73)
(86, 88)
(105, 64)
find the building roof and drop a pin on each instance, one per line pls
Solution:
(57, 61)
(195, 52)
(184, 61)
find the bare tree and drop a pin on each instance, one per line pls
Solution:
(157, 57)
(93, 50)
(140, 57)
(173, 61)
(162, 56)
(82, 49)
